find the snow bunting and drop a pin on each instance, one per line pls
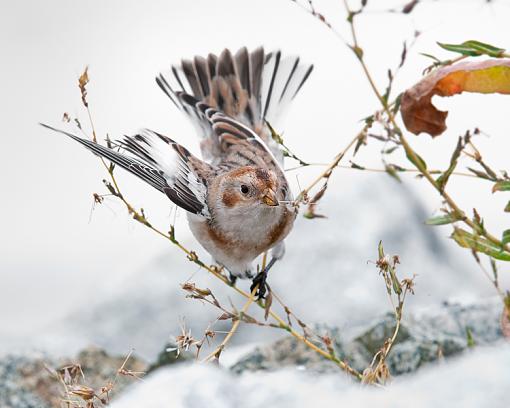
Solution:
(237, 197)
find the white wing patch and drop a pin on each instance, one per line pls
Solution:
(185, 187)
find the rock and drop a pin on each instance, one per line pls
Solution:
(14, 392)
(422, 338)
(168, 356)
(29, 380)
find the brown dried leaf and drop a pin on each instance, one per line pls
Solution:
(82, 391)
(82, 83)
(409, 7)
(267, 305)
(418, 113)
(226, 316)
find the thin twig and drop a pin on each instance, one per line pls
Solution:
(408, 149)
(217, 352)
(399, 169)
(326, 174)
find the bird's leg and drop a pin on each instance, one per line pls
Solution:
(260, 280)
(232, 279)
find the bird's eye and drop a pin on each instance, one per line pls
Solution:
(244, 189)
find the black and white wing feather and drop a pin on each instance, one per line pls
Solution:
(231, 136)
(162, 163)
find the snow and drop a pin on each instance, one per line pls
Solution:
(476, 379)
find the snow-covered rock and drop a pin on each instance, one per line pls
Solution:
(26, 380)
(477, 379)
(422, 338)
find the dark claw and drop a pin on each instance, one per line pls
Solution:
(232, 279)
(260, 281)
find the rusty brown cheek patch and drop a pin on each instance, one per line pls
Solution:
(229, 199)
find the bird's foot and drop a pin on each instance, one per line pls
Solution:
(232, 279)
(259, 282)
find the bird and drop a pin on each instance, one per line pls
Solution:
(237, 197)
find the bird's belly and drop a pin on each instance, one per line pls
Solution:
(237, 249)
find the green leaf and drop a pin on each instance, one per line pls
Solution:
(416, 160)
(506, 237)
(501, 186)
(460, 49)
(442, 219)
(480, 174)
(469, 338)
(430, 56)
(467, 240)
(484, 48)
(380, 250)
(390, 169)
(494, 268)
(397, 288)
(398, 100)
(391, 149)
(357, 166)
(276, 137)
(507, 208)
(443, 178)
(474, 48)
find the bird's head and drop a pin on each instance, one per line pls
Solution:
(250, 187)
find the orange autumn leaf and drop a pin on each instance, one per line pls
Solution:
(418, 112)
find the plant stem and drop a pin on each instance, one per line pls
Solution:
(327, 173)
(408, 149)
(281, 323)
(216, 353)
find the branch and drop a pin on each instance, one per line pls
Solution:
(411, 154)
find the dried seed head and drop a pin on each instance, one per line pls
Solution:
(184, 341)
(188, 286)
(408, 284)
(193, 257)
(70, 374)
(82, 391)
(209, 334)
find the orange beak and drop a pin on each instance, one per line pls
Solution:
(269, 198)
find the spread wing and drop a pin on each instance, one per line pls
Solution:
(236, 144)
(164, 164)
(250, 87)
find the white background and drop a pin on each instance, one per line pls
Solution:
(55, 254)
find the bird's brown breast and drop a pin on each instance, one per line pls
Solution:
(280, 230)
(239, 247)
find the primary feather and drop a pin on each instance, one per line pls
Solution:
(160, 162)
(250, 87)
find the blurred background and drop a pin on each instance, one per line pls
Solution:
(73, 273)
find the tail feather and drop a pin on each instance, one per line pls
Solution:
(257, 66)
(251, 87)
(269, 80)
